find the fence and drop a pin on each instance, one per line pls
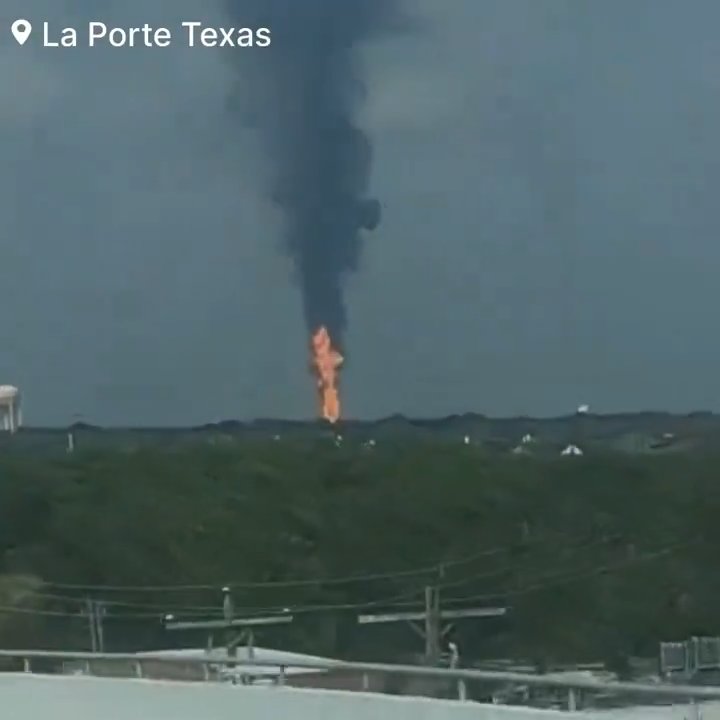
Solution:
(577, 690)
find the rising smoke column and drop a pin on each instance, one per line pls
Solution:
(306, 89)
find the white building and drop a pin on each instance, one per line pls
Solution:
(573, 450)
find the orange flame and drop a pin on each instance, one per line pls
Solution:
(326, 362)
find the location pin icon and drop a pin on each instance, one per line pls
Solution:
(21, 30)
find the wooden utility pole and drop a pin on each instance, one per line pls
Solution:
(92, 626)
(229, 625)
(95, 613)
(433, 626)
(229, 616)
(433, 631)
(100, 624)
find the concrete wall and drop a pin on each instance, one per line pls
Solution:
(708, 711)
(35, 697)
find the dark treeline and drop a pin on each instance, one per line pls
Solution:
(597, 557)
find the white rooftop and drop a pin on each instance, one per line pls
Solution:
(265, 655)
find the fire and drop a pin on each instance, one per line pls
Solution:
(326, 362)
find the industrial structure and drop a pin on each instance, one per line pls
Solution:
(10, 408)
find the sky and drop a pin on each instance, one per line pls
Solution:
(548, 171)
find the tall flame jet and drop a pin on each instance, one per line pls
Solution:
(326, 362)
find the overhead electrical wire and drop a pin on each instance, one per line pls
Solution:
(401, 600)
(429, 570)
(559, 579)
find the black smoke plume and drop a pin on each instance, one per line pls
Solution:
(306, 89)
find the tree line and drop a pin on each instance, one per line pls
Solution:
(596, 557)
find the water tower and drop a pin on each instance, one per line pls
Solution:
(10, 408)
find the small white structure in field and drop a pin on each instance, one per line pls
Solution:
(10, 408)
(583, 409)
(571, 450)
(525, 445)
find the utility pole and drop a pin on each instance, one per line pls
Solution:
(90, 614)
(95, 613)
(100, 612)
(229, 625)
(433, 631)
(229, 616)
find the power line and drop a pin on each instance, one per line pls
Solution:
(487, 575)
(559, 579)
(429, 570)
(251, 612)
(201, 610)
(190, 609)
(306, 582)
(403, 599)
(18, 610)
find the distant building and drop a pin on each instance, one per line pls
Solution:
(572, 450)
(10, 408)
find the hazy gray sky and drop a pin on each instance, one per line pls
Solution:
(549, 171)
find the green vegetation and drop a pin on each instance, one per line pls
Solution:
(598, 557)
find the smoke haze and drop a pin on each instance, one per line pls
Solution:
(307, 89)
(548, 171)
